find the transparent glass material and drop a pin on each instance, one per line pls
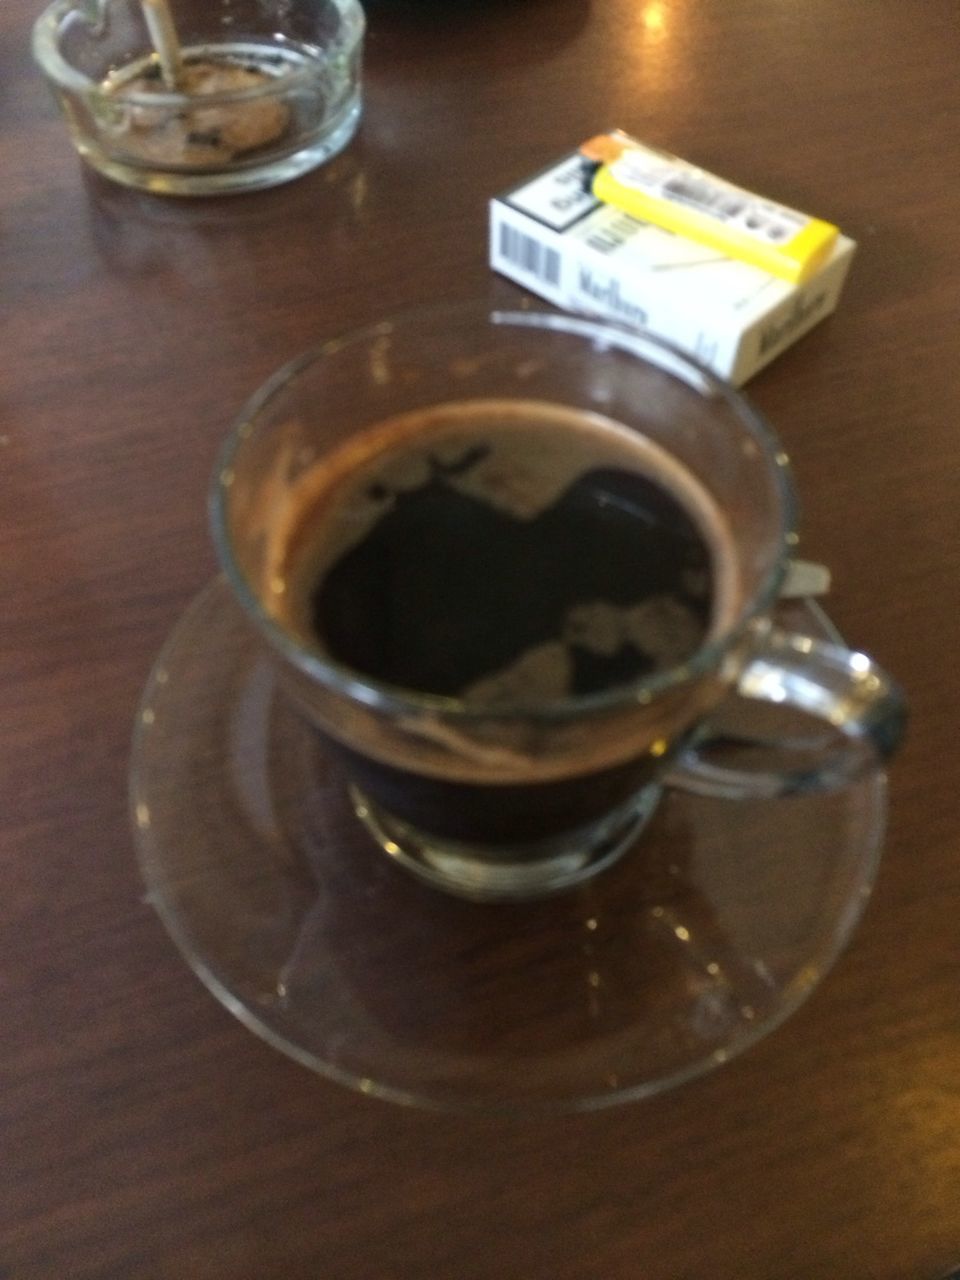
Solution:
(268, 89)
(713, 928)
(536, 794)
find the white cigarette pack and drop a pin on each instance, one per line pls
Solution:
(554, 237)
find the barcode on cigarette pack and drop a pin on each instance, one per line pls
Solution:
(529, 254)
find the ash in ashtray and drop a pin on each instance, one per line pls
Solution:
(199, 136)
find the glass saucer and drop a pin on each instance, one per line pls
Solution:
(698, 942)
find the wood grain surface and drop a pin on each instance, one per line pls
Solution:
(145, 1133)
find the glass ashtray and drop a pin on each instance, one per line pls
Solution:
(265, 90)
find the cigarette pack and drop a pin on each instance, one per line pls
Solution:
(553, 235)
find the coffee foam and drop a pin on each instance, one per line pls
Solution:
(660, 627)
(543, 449)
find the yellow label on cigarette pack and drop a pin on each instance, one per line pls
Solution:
(670, 193)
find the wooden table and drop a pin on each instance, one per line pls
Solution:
(145, 1132)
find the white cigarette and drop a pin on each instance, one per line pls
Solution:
(163, 34)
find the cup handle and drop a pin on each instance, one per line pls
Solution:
(863, 706)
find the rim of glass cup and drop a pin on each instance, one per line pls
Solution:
(46, 52)
(395, 699)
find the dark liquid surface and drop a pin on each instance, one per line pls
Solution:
(450, 594)
(508, 553)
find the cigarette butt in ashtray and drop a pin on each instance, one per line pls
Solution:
(166, 42)
(210, 129)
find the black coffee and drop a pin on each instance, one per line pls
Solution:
(504, 553)
(489, 567)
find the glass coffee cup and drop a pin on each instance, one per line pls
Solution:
(508, 563)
